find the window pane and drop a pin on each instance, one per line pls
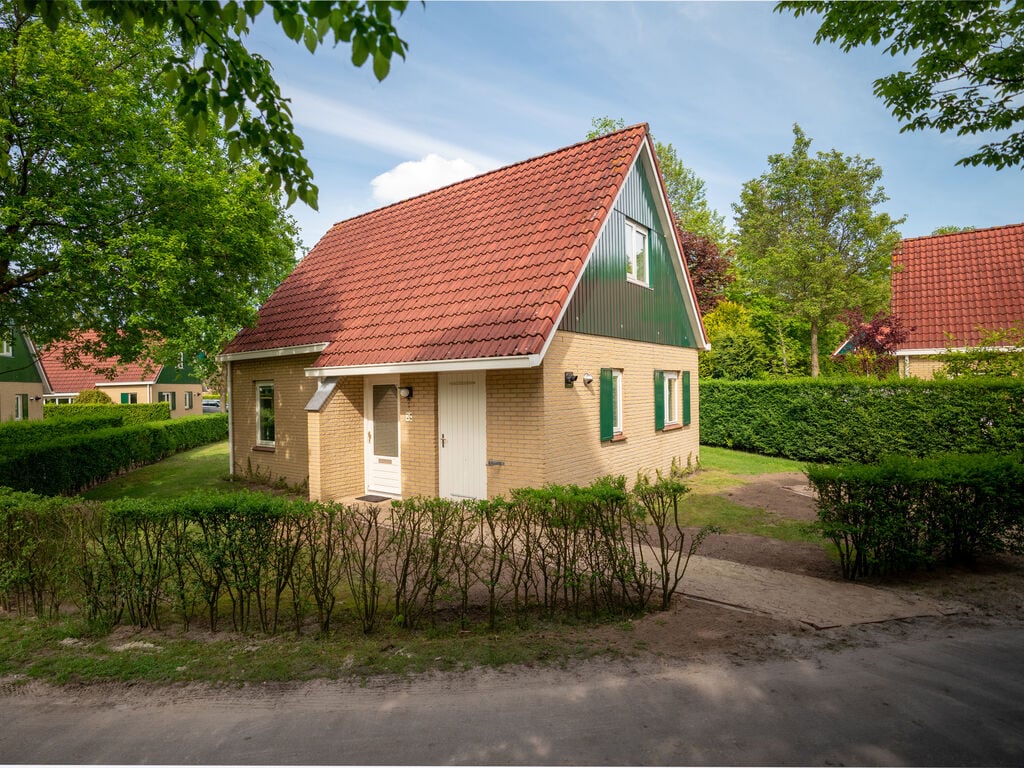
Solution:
(641, 257)
(617, 400)
(670, 399)
(266, 413)
(385, 420)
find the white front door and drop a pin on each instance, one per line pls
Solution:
(462, 434)
(383, 452)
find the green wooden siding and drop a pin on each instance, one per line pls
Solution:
(20, 367)
(606, 304)
(171, 374)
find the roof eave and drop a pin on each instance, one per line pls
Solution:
(259, 354)
(430, 366)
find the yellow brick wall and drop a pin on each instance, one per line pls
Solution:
(336, 443)
(417, 421)
(10, 389)
(572, 430)
(515, 430)
(919, 367)
(292, 390)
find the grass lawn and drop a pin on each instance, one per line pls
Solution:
(203, 468)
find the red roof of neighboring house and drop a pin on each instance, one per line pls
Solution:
(63, 379)
(478, 269)
(957, 284)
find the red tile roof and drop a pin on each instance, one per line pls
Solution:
(63, 378)
(478, 269)
(957, 284)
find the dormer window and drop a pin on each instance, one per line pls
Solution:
(636, 254)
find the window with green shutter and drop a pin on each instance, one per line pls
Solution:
(686, 397)
(659, 400)
(611, 403)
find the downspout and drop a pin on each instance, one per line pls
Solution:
(227, 405)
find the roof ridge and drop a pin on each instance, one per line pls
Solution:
(965, 232)
(405, 201)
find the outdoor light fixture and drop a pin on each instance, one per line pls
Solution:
(587, 378)
(405, 393)
(570, 377)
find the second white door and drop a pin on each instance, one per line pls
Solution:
(462, 434)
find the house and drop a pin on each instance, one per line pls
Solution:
(950, 289)
(141, 382)
(531, 325)
(21, 378)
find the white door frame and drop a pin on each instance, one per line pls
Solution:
(382, 474)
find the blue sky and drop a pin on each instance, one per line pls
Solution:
(488, 84)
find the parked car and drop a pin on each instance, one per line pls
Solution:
(211, 406)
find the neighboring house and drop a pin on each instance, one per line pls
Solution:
(141, 382)
(951, 288)
(532, 325)
(21, 378)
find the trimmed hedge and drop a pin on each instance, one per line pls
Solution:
(133, 413)
(78, 461)
(18, 433)
(860, 420)
(903, 513)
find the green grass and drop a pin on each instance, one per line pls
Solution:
(204, 468)
(739, 463)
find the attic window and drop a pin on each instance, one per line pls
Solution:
(636, 254)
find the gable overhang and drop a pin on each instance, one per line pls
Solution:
(37, 360)
(259, 354)
(433, 366)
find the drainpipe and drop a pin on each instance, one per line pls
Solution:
(226, 404)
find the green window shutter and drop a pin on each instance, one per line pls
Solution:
(174, 400)
(659, 400)
(607, 405)
(686, 397)
(124, 398)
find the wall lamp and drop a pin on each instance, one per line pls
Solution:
(405, 393)
(587, 378)
(570, 377)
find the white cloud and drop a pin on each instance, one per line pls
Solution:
(341, 120)
(411, 178)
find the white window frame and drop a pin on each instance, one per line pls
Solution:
(188, 401)
(21, 407)
(633, 265)
(133, 398)
(617, 401)
(260, 441)
(671, 398)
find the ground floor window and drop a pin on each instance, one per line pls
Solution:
(188, 401)
(671, 395)
(265, 414)
(611, 403)
(20, 407)
(169, 397)
(129, 398)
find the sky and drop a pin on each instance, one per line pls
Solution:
(488, 84)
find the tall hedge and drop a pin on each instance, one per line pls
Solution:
(78, 461)
(822, 420)
(17, 433)
(130, 413)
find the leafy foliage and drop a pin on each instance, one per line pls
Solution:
(218, 81)
(18, 433)
(863, 419)
(134, 413)
(968, 74)
(738, 350)
(872, 342)
(810, 237)
(997, 353)
(93, 396)
(709, 269)
(903, 513)
(76, 461)
(113, 218)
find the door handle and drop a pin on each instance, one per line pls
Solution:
(369, 437)
(443, 441)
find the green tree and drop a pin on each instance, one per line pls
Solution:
(968, 65)
(93, 396)
(111, 216)
(951, 229)
(809, 236)
(218, 81)
(738, 349)
(686, 191)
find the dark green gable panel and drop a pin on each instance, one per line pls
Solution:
(171, 374)
(606, 304)
(21, 367)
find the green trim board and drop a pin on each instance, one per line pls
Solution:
(605, 303)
